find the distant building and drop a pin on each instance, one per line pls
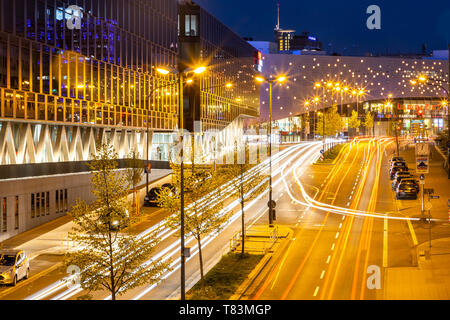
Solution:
(283, 38)
(265, 47)
(440, 55)
(287, 40)
(305, 41)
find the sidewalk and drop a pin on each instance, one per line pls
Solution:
(429, 281)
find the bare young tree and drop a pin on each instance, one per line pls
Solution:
(134, 174)
(245, 184)
(109, 259)
(204, 204)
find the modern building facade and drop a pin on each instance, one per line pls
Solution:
(209, 105)
(74, 73)
(386, 81)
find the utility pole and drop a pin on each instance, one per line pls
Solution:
(180, 127)
(270, 156)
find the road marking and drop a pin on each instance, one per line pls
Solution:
(413, 234)
(322, 275)
(343, 217)
(340, 225)
(350, 198)
(328, 259)
(332, 247)
(316, 291)
(348, 203)
(337, 235)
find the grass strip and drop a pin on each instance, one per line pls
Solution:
(222, 281)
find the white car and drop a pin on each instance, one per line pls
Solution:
(14, 266)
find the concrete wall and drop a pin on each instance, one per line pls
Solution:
(77, 185)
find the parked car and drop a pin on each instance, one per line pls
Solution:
(168, 185)
(14, 266)
(410, 181)
(406, 191)
(396, 159)
(399, 175)
(396, 169)
(399, 164)
(151, 197)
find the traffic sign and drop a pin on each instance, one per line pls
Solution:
(434, 197)
(428, 205)
(322, 151)
(422, 149)
(422, 164)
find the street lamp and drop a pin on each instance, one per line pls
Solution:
(319, 85)
(181, 75)
(270, 81)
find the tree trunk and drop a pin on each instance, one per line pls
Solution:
(243, 226)
(111, 268)
(200, 258)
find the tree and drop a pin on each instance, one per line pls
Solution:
(109, 259)
(368, 121)
(353, 121)
(203, 203)
(333, 123)
(134, 173)
(244, 184)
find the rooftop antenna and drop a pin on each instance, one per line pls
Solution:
(278, 16)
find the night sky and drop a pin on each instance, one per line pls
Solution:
(405, 25)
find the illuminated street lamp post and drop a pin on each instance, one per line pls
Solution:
(181, 81)
(148, 140)
(279, 79)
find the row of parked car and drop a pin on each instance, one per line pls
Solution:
(404, 183)
(151, 199)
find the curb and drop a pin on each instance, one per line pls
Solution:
(335, 159)
(242, 289)
(251, 277)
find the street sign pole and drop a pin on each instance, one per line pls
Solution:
(422, 184)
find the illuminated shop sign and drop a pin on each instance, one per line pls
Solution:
(312, 38)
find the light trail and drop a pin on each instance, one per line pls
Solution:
(166, 232)
(335, 209)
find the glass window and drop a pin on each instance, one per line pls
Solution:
(5, 214)
(47, 203)
(42, 203)
(33, 205)
(16, 212)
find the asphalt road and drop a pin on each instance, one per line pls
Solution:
(329, 253)
(214, 246)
